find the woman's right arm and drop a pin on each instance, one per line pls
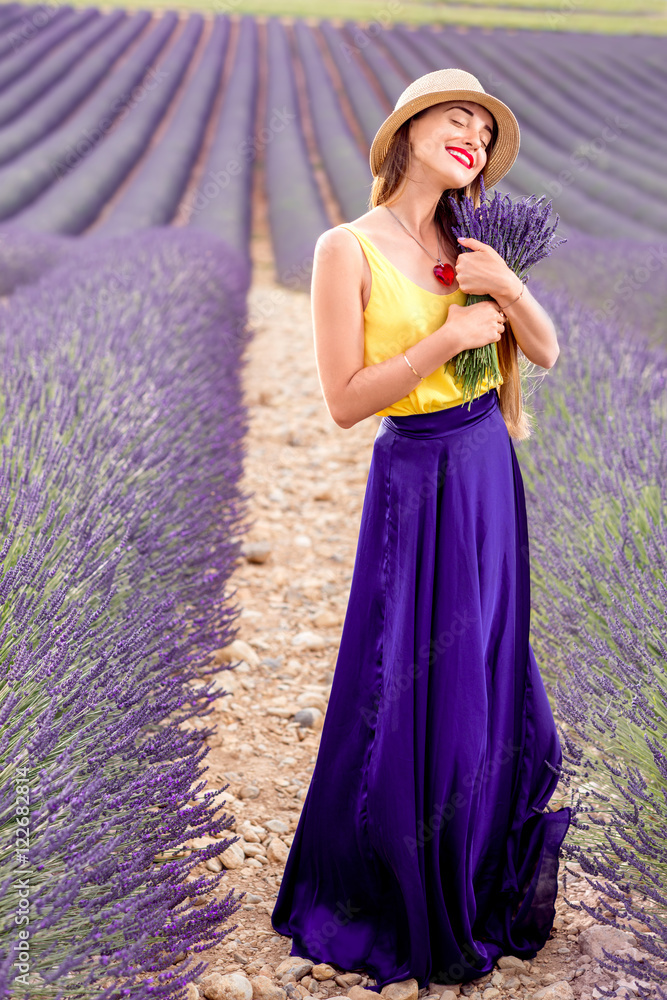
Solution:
(351, 391)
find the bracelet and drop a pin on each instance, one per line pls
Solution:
(420, 377)
(514, 300)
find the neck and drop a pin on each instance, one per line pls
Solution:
(417, 213)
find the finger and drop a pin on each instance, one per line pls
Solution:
(468, 241)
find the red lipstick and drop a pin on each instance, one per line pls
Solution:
(464, 152)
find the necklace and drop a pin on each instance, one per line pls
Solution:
(444, 272)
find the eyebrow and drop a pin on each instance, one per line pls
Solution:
(468, 112)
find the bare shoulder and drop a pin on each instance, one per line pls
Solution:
(340, 245)
(333, 238)
(341, 273)
(337, 247)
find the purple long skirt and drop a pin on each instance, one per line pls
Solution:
(425, 847)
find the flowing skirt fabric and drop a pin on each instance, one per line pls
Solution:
(424, 848)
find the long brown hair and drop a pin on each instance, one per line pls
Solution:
(390, 180)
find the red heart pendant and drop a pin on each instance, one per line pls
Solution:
(444, 273)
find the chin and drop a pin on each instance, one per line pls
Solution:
(455, 186)
(458, 181)
(450, 183)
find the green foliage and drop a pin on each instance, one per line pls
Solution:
(599, 16)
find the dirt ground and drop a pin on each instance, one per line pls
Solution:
(307, 477)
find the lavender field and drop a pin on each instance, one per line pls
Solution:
(148, 165)
(122, 441)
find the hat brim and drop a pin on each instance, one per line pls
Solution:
(503, 154)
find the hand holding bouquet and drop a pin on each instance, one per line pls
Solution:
(519, 234)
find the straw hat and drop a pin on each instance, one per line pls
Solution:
(450, 85)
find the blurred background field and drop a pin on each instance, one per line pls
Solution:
(258, 128)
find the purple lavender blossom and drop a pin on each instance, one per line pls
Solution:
(594, 472)
(121, 514)
(520, 233)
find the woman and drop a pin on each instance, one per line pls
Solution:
(424, 849)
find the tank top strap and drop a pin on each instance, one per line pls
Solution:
(365, 242)
(388, 280)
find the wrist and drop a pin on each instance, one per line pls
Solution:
(450, 337)
(510, 291)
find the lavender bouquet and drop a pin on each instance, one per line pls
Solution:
(519, 232)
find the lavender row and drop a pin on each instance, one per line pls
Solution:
(409, 59)
(392, 82)
(122, 431)
(19, 57)
(640, 57)
(593, 473)
(346, 166)
(88, 30)
(26, 256)
(57, 150)
(576, 104)
(222, 200)
(35, 139)
(153, 196)
(297, 216)
(20, 23)
(9, 15)
(72, 204)
(369, 109)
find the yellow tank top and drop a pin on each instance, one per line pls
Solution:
(399, 314)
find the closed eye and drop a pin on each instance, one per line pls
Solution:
(484, 147)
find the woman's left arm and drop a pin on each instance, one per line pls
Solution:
(531, 324)
(484, 272)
